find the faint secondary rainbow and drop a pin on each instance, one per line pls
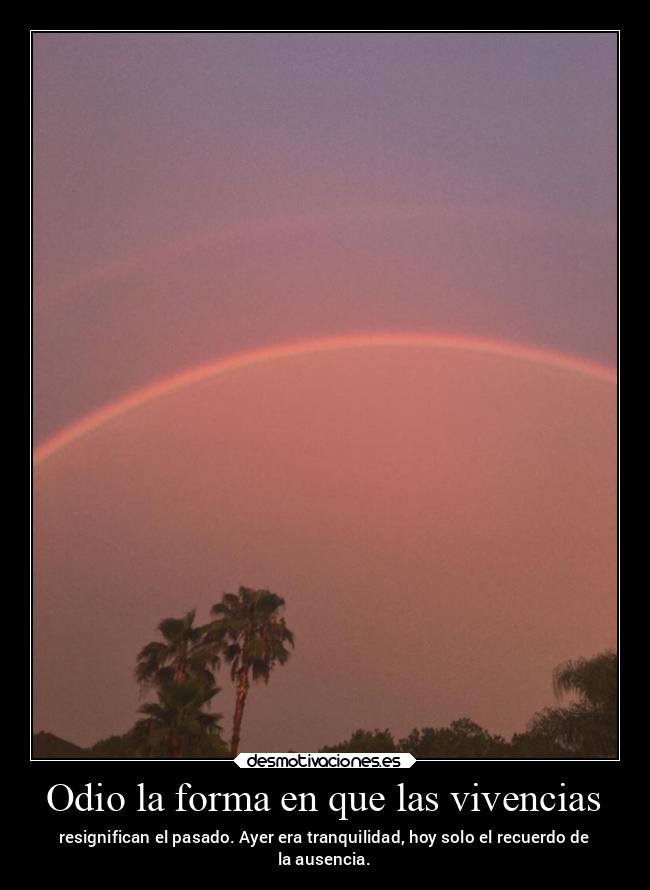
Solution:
(139, 397)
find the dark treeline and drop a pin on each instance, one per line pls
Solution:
(248, 634)
(586, 727)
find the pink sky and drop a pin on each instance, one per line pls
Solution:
(442, 524)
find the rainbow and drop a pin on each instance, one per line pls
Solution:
(107, 413)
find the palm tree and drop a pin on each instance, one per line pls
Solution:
(593, 679)
(587, 727)
(254, 637)
(177, 724)
(184, 653)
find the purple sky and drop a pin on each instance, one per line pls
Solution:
(200, 194)
(196, 195)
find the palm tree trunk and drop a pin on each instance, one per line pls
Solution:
(175, 744)
(240, 701)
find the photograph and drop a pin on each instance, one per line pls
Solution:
(324, 394)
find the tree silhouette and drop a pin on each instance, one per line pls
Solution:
(177, 724)
(462, 738)
(365, 741)
(594, 679)
(185, 652)
(254, 636)
(586, 727)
